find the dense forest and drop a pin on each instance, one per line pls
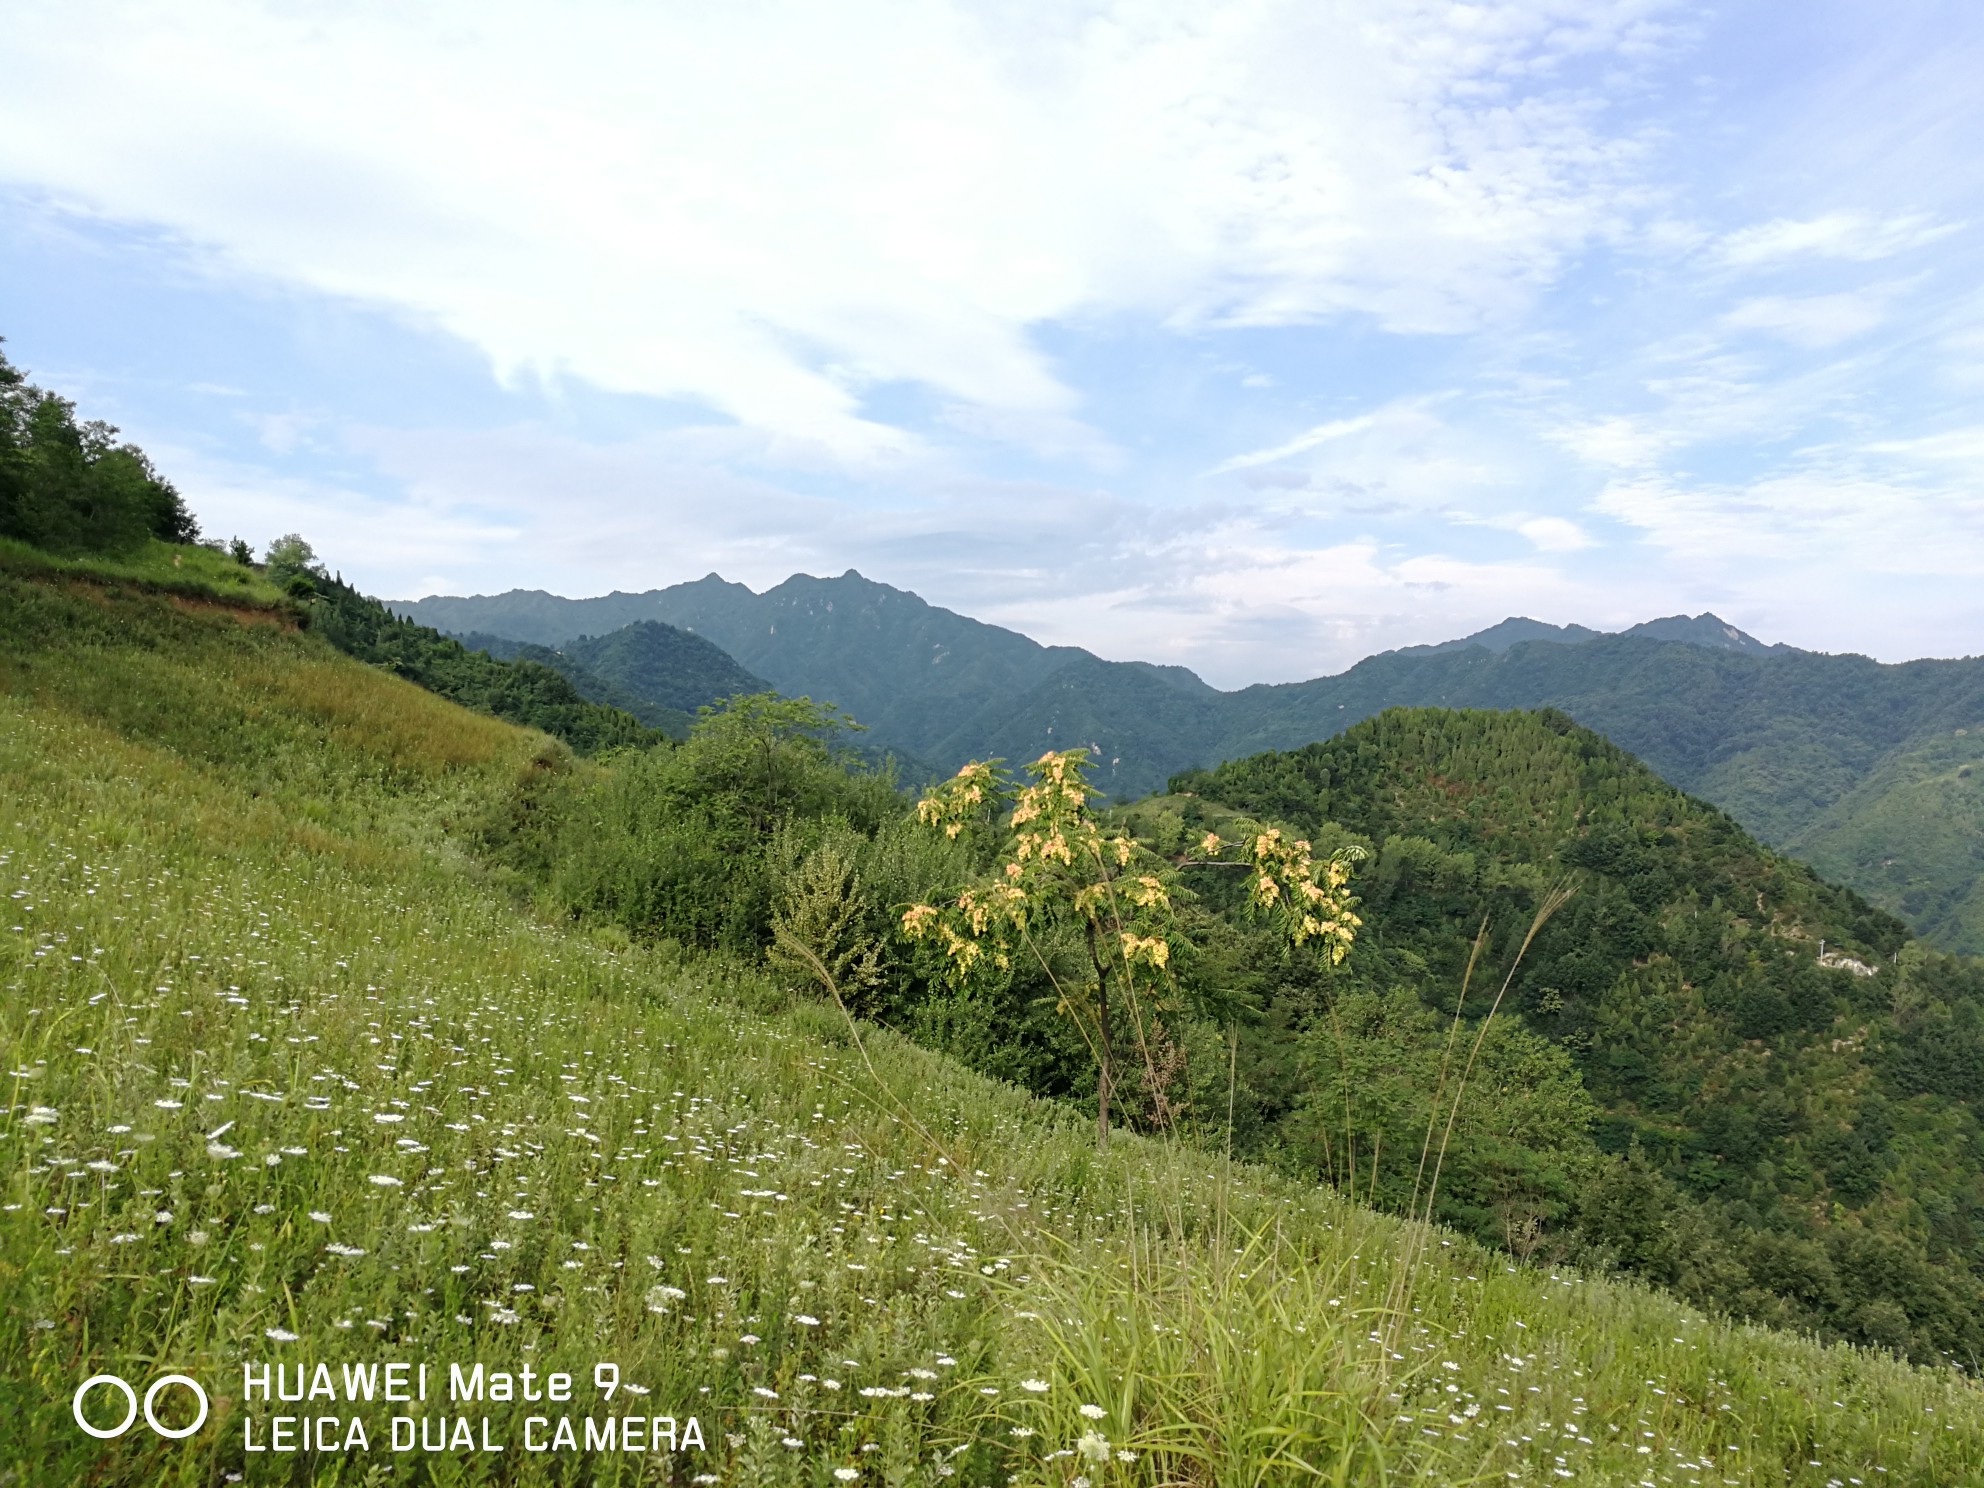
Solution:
(658, 673)
(1784, 1082)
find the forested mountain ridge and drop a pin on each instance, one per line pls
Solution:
(1698, 630)
(1804, 749)
(1793, 1081)
(656, 672)
(1831, 757)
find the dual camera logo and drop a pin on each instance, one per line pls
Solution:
(130, 1395)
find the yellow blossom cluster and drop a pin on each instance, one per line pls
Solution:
(1057, 852)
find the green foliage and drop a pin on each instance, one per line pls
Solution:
(291, 558)
(225, 837)
(692, 844)
(1796, 1110)
(70, 487)
(520, 692)
(658, 673)
(818, 925)
(1911, 837)
(1521, 1147)
(1835, 759)
(1678, 1007)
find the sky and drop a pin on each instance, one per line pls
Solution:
(1252, 336)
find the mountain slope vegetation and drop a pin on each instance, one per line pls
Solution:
(1796, 745)
(519, 690)
(299, 1077)
(658, 673)
(1701, 1073)
(1788, 1082)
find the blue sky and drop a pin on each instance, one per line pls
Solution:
(1256, 336)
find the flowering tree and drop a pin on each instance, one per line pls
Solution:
(1057, 863)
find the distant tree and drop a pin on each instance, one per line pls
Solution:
(292, 565)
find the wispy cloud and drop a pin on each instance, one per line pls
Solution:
(1853, 236)
(1250, 336)
(779, 211)
(1813, 321)
(1302, 443)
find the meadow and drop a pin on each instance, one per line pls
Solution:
(294, 1076)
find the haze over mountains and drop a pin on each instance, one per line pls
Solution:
(1873, 772)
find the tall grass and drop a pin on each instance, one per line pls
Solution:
(178, 569)
(255, 976)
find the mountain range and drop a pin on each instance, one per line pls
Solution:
(1870, 771)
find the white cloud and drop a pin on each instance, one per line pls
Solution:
(777, 209)
(1242, 606)
(1555, 534)
(1433, 453)
(1618, 441)
(1854, 236)
(1963, 448)
(1811, 321)
(1840, 525)
(1301, 444)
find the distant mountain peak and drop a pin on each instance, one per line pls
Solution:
(1510, 632)
(1706, 629)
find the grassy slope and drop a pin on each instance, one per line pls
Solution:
(186, 570)
(233, 859)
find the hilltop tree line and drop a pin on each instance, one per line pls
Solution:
(71, 486)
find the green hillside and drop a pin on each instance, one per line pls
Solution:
(1796, 745)
(519, 691)
(1694, 1032)
(298, 1076)
(1787, 1083)
(1911, 835)
(658, 673)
